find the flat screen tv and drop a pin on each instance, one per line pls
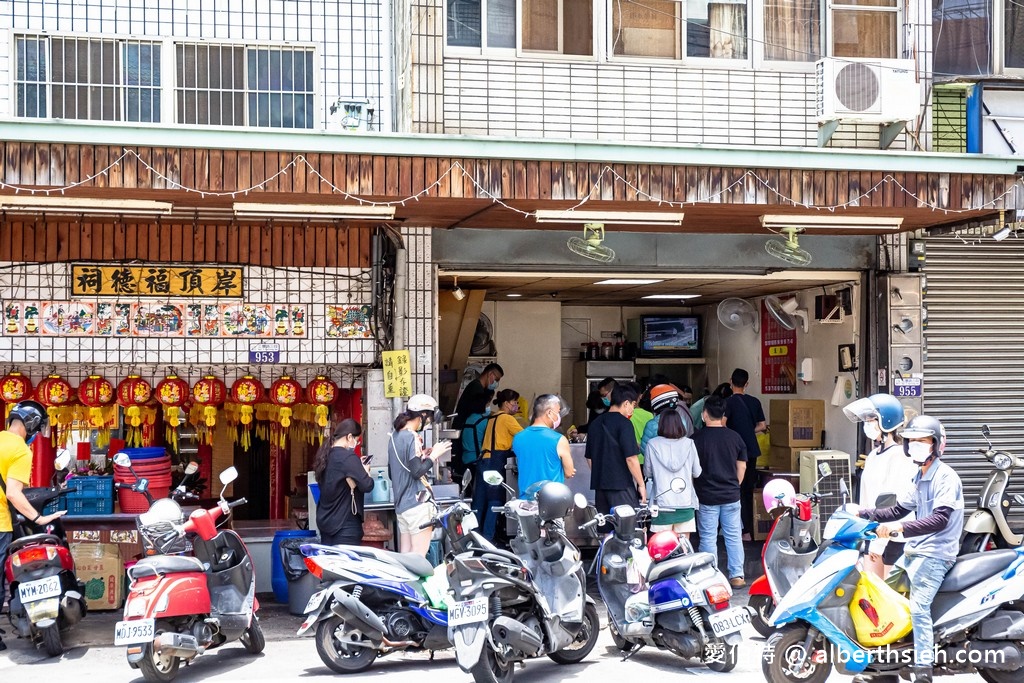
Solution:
(670, 336)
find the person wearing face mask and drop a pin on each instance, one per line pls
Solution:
(542, 454)
(887, 469)
(933, 539)
(474, 400)
(343, 480)
(494, 454)
(615, 473)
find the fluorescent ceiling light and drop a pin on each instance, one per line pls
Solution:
(831, 222)
(1001, 234)
(671, 296)
(513, 295)
(627, 281)
(338, 211)
(85, 205)
(609, 217)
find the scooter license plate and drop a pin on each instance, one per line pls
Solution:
(729, 622)
(314, 601)
(135, 631)
(467, 612)
(40, 589)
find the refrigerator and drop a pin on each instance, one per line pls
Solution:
(587, 374)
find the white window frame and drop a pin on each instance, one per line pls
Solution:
(484, 49)
(998, 39)
(829, 24)
(757, 18)
(643, 59)
(598, 9)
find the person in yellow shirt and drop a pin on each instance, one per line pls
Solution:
(27, 420)
(495, 451)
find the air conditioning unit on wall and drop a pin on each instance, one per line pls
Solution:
(867, 90)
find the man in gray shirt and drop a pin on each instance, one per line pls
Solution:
(933, 538)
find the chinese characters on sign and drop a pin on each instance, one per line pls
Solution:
(397, 374)
(778, 356)
(89, 280)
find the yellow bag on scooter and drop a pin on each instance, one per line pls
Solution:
(880, 615)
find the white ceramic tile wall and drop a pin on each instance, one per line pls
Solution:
(352, 37)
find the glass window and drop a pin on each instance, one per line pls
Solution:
(716, 29)
(865, 28)
(961, 37)
(792, 30)
(211, 84)
(558, 26)
(647, 28)
(142, 81)
(466, 17)
(280, 88)
(30, 77)
(1013, 38)
(84, 77)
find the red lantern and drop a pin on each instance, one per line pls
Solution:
(132, 393)
(96, 393)
(54, 391)
(285, 392)
(246, 391)
(322, 392)
(209, 392)
(172, 392)
(14, 387)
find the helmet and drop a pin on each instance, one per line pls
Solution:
(554, 501)
(882, 407)
(921, 427)
(663, 396)
(778, 493)
(425, 406)
(33, 416)
(664, 545)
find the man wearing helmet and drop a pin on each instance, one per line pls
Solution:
(27, 420)
(933, 539)
(887, 469)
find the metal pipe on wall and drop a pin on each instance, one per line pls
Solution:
(401, 306)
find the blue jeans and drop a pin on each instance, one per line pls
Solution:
(709, 517)
(486, 496)
(926, 575)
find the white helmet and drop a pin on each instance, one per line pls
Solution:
(425, 406)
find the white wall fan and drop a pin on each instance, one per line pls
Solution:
(788, 250)
(736, 314)
(590, 245)
(786, 312)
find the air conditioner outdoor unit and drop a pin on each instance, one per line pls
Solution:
(831, 497)
(867, 90)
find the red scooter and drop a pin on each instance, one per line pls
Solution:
(178, 606)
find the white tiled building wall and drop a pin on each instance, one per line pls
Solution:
(352, 37)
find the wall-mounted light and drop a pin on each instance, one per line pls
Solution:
(457, 292)
(330, 211)
(85, 205)
(831, 222)
(609, 217)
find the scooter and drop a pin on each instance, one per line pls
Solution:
(374, 602)
(178, 606)
(680, 603)
(46, 596)
(507, 607)
(977, 619)
(988, 527)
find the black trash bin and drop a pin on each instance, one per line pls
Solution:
(301, 584)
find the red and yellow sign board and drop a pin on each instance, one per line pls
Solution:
(89, 279)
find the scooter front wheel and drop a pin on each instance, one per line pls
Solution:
(340, 656)
(253, 638)
(763, 606)
(156, 667)
(577, 650)
(784, 659)
(51, 640)
(620, 642)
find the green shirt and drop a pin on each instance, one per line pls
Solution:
(640, 419)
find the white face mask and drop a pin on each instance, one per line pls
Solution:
(557, 421)
(919, 451)
(872, 431)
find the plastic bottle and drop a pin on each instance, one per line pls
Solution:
(381, 489)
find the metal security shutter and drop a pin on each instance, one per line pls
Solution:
(974, 370)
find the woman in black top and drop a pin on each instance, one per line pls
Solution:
(343, 480)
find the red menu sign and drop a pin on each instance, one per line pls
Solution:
(778, 356)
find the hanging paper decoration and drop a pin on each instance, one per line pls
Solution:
(132, 393)
(209, 394)
(96, 394)
(172, 392)
(14, 387)
(57, 395)
(246, 392)
(322, 392)
(284, 393)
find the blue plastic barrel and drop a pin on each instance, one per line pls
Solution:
(145, 453)
(278, 581)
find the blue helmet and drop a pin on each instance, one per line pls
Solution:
(882, 407)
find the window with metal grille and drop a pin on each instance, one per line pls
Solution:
(240, 85)
(98, 79)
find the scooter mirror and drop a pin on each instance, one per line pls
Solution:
(678, 485)
(467, 479)
(580, 501)
(886, 500)
(122, 460)
(191, 468)
(63, 459)
(493, 477)
(842, 488)
(824, 469)
(228, 476)
(986, 431)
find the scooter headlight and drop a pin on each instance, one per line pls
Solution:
(1002, 461)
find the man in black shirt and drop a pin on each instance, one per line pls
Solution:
(745, 416)
(616, 477)
(723, 461)
(473, 401)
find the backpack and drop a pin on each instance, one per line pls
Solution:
(473, 422)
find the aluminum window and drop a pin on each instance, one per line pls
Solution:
(558, 26)
(466, 17)
(865, 28)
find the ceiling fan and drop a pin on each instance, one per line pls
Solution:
(788, 250)
(590, 245)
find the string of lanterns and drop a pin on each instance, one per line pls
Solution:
(248, 409)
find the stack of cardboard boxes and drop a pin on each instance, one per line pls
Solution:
(795, 426)
(99, 557)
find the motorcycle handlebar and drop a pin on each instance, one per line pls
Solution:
(236, 503)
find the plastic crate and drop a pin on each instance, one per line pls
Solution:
(55, 505)
(94, 486)
(90, 505)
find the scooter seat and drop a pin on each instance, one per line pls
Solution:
(679, 565)
(416, 564)
(165, 564)
(974, 568)
(34, 539)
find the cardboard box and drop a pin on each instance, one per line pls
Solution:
(762, 522)
(785, 459)
(100, 568)
(796, 423)
(128, 543)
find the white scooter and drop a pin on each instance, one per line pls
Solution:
(978, 621)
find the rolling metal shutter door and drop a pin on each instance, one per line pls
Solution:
(974, 370)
